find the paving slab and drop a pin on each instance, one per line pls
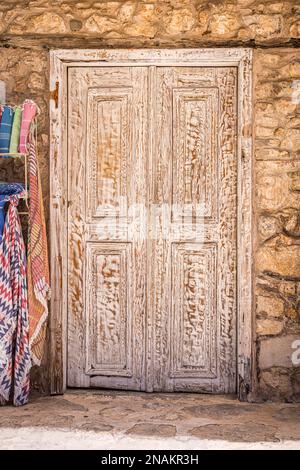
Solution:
(97, 419)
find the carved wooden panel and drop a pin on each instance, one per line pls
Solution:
(193, 272)
(107, 148)
(151, 301)
(193, 314)
(195, 149)
(109, 114)
(108, 309)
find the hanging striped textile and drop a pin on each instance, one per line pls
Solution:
(7, 189)
(15, 132)
(5, 128)
(38, 267)
(3, 200)
(14, 328)
(29, 110)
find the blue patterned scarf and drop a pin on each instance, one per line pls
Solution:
(15, 360)
(5, 128)
(6, 190)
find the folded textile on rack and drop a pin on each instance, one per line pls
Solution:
(30, 110)
(5, 128)
(15, 360)
(7, 189)
(15, 132)
(11, 188)
(3, 201)
(38, 267)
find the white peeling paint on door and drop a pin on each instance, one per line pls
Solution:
(193, 282)
(106, 259)
(152, 190)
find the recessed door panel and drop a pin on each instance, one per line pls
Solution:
(152, 184)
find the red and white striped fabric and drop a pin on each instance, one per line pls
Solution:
(15, 360)
(38, 267)
(29, 111)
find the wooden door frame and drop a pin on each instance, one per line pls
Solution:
(60, 60)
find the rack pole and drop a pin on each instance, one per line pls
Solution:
(26, 180)
(7, 154)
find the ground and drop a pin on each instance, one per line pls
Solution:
(128, 420)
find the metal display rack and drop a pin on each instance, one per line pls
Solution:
(26, 192)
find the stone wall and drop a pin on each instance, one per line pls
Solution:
(151, 21)
(272, 28)
(277, 200)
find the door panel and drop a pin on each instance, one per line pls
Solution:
(193, 282)
(107, 147)
(195, 147)
(152, 228)
(109, 118)
(109, 310)
(193, 311)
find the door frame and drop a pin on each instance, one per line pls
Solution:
(60, 60)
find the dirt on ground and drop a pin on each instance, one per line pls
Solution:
(128, 420)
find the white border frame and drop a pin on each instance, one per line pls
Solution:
(60, 60)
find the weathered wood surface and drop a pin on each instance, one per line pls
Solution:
(159, 373)
(58, 232)
(193, 280)
(193, 286)
(106, 243)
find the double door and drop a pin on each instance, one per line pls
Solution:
(152, 189)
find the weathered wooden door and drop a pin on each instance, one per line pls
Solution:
(107, 148)
(193, 282)
(152, 183)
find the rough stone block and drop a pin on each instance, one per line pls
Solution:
(275, 384)
(270, 306)
(281, 261)
(267, 327)
(277, 352)
(275, 182)
(179, 21)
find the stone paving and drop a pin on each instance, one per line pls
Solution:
(109, 420)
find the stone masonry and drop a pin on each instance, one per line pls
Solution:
(277, 201)
(29, 28)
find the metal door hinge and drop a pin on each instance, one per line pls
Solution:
(54, 94)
